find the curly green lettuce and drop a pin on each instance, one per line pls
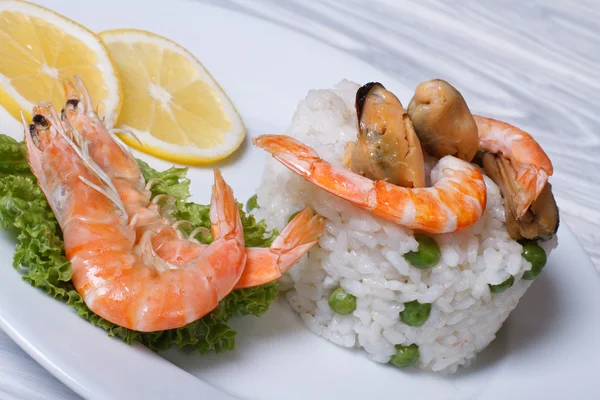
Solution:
(13, 159)
(40, 257)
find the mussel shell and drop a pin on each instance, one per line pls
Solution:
(540, 221)
(361, 96)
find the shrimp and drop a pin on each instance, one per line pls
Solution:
(456, 201)
(117, 162)
(530, 166)
(119, 279)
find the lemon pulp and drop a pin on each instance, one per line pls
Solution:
(40, 49)
(172, 104)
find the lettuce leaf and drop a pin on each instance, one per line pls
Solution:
(39, 254)
(13, 157)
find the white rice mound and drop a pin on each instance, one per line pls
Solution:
(364, 255)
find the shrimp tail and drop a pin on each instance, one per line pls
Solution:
(275, 144)
(305, 161)
(296, 239)
(225, 217)
(263, 265)
(228, 231)
(293, 154)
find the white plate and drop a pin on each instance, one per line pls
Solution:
(548, 348)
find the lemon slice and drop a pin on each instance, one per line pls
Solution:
(173, 105)
(39, 48)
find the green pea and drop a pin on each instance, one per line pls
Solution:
(342, 302)
(533, 253)
(405, 355)
(293, 216)
(252, 203)
(427, 255)
(415, 313)
(501, 287)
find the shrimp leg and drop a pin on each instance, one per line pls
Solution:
(457, 199)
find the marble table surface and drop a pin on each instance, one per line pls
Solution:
(539, 60)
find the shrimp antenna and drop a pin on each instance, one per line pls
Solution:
(83, 152)
(84, 95)
(124, 148)
(110, 192)
(110, 196)
(128, 132)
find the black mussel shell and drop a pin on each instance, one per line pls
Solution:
(361, 96)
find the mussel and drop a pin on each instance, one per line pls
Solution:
(387, 147)
(443, 121)
(540, 221)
